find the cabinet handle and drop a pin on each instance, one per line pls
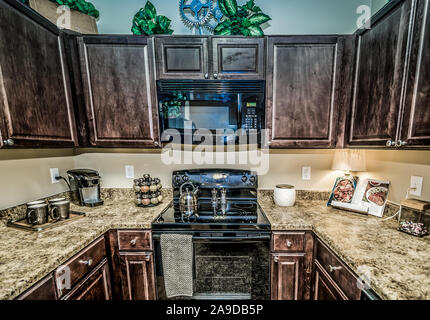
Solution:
(276, 259)
(206, 75)
(156, 144)
(289, 244)
(332, 269)
(88, 262)
(390, 143)
(215, 75)
(147, 257)
(133, 242)
(401, 143)
(9, 142)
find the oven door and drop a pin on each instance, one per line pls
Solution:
(225, 266)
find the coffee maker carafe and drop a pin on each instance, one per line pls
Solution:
(85, 187)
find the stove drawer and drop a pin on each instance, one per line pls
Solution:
(288, 242)
(134, 240)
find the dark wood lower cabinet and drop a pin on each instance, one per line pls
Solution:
(96, 286)
(287, 277)
(138, 278)
(43, 290)
(324, 287)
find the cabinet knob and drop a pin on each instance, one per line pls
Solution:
(390, 143)
(289, 244)
(9, 142)
(88, 262)
(332, 269)
(147, 257)
(215, 75)
(133, 242)
(206, 75)
(156, 144)
(401, 143)
(276, 259)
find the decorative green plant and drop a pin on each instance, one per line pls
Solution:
(80, 5)
(146, 22)
(243, 20)
(171, 107)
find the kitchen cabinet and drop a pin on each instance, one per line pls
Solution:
(137, 271)
(182, 57)
(333, 280)
(210, 58)
(415, 129)
(43, 290)
(36, 107)
(119, 90)
(291, 265)
(307, 78)
(238, 58)
(96, 286)
(381, 63)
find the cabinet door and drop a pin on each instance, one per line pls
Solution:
(36, 109)
(325, 288)
(303, 84)
(238, 58)
(287, 277)
(137, 273)
(416, 119)
(379, 76)
(119, 88)
(96, 286)
(182, 57)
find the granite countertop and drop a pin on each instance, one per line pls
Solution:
(399, 263)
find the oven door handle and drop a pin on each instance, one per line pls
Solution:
(221, 238)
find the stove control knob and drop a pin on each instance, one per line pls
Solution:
(252, 179)
(185, 178)
(177, 179)
(244, 179)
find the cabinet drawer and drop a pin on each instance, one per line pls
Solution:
(134, 240)
(338, 271)
(67, 275)
(288, 241)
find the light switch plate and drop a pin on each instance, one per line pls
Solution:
(129, 172)
(416, 186)
(54, 173)
(306, 173)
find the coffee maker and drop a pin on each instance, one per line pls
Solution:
(85, 187)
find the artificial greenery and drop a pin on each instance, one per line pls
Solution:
(243, 20)
(80, 5)
(171, 107)
(146, 22)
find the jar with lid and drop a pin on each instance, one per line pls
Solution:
(284, 195)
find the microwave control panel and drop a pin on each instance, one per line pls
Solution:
(251, 116)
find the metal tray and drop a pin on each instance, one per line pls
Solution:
(24, 225)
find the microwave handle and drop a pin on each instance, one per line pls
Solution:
(239, 110)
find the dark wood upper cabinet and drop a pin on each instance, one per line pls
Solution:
(182, 57)
(416, 118)
(138, 277)
(36, 108)
(119, 89)
(378, 88)
(304, 93)
(238, 58)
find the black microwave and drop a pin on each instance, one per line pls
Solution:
(226, 110)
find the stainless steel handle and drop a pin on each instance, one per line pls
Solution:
(289, 244)
(401, 143)
(332, 269)
(207, 76)
(147, 257)
(8, 142)
(133, 242)
(276, 259)
(156, 144)
(87, 262)
(390, 143)
(215, 75)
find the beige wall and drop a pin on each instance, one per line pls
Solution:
(28, 179)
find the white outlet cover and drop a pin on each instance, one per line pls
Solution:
(416, 186)
(54, 173)
(129, 172)
(306, 173)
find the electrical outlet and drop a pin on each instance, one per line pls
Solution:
(129, 172)
(54, 173)
(306, 173)
(416, 186)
